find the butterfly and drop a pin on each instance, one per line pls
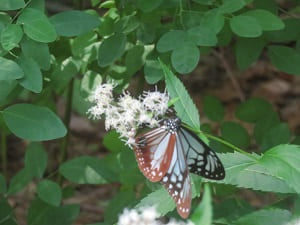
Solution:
(169, 153)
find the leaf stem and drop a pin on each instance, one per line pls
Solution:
(19, 12)
(222, 142)
(4, 153)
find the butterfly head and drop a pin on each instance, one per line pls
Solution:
(172, 124)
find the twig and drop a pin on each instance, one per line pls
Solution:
(229, 71)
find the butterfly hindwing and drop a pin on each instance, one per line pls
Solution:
(153, 153)
(200, 158)
(177, 180)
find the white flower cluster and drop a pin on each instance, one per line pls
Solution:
(128, 113)
(145, 216)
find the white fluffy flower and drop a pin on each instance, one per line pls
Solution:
(156, 102)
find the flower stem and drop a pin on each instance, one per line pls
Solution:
(4, 153)
(223, 142)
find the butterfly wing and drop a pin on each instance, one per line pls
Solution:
(153, 152)
(177, 180)
(200, 158)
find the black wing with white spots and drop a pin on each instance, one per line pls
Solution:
(200, 158)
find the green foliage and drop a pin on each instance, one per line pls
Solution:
(213, 108)
(50, 192)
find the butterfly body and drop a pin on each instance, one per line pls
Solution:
(169, 153)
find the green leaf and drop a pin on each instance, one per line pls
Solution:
(213, 108)
(214, 20)
(266, 19)
(74, 23)
(202, 36)
(33, 78)
(7, 216)
(87, 170)
(33, 123)
(253, 109)
(245, 26)
(113, 142)
(283, 161)
(171, 40)
(39, 52)
(185, 58)
(185, 108)
(148, 6)
(243, 171)
(19, 181)
(203, 213)
(248, 50)
(153, 72)
(41, 213)
(89, 82)
(269, 5)
(80, 43)
(2, 184)
(235, 134)
(285, 58)
(50, 192)
(264, 125)
(6, 88)
(9, 70)
(276, 135)
(111, 49)
(11, 4)
(36, 159)
(265, 217)
(134, 59)
(37, 26)
(11, 36)
(230, 6)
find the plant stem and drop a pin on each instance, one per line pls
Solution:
(223, 142)
(19, 12)
(67, 119)
(4, 153)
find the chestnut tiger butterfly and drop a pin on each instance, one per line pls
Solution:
(169, 153)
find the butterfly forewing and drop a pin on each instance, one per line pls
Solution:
(177, 180)
(200, 158)
(153, 152)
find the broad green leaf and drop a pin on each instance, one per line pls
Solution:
(204, 2)
(11, 4)
(246, 172)
(2, 184)
(213, 108)
(33, 123)
(127, 24)
(283, 161)
(87, 170)
(80, 43)
(264, 125)
(202, 36)
(11, 36)
(247, 50)
(203, 213)
(276, 135)
(111, 49)
(171, 40)
(41, 213)
(113, 142)
(285, 58)
(134, 59)
(289, 33)
(269, 5)
(80, 103)
(37, 26)
(235, 133)
(185, 58)
(245, 26)
(214, 20)
(148, 6)
(185, 108)
(253, 109)
(89, 82)
(9, 70)
(33, 78)
(266, 19)
(39, 52)
(36, 159)
(230, 6)
(153, 72)
(50, 192)
(7, 216)
(6, 88)
(19, 181)
(265, 217)
(74, 23)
